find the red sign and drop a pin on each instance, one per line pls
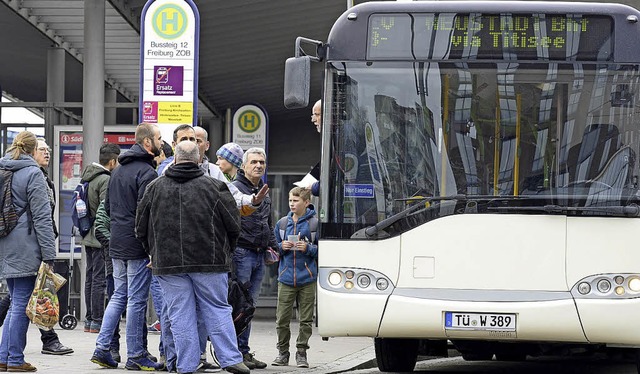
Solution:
(119, 138)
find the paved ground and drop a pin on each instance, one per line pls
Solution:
(333, 356)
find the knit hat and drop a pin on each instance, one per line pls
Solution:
(232, 153)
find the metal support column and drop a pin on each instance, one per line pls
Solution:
(92, 97)
(55, 93)
(93, 80)
(110, 96)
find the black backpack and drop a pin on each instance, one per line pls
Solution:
(8, 214)
(241, 303)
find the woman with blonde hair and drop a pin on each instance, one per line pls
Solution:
(27, 245)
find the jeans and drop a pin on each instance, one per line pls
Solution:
(115, 340)
(131, 280)
(158, 301)
(94, 286)
(306, 296)
(14, 333)
(209, 291)
(249, 266)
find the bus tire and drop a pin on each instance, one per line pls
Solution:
(396, 355)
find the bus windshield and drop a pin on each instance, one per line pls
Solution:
(494, 137)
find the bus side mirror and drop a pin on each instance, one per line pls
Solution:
(297, 78)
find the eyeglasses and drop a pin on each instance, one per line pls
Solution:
(44, 149)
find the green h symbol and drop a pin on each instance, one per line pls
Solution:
(170, 21)
(250, 121)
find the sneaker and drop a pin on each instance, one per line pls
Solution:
(94, 328)
(240, 368)
(87, 326)
(250, 360)
(24, 368)
(55, 348)
(207, 367)
(151, 357)
(301, 359)
(104, 359)
(281, 360)
(142, 363)
(154, 328)
(116, 356)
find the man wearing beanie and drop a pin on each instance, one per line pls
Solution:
(230, 160)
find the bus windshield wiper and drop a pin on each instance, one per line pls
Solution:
(371, 231)
(631, 210)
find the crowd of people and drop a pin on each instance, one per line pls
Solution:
(171, 225)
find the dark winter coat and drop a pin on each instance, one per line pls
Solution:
(126, 188)
(188, 222)
(257, 228)
(98, 178)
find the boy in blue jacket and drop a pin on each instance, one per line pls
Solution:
(297, 274)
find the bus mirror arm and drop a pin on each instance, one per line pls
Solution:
(299, 52)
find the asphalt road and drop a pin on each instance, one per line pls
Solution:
(456, 365)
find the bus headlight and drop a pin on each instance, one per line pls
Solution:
(354, 281)
(364, 281)
(584, 288)
(634, 284)
(607, 286)
(382, 284)
(603, 286)
(335, 278)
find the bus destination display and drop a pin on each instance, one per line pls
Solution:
(490, 36)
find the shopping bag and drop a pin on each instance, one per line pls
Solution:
(271, 256)
(43, 308)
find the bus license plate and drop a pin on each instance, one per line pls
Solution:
(480, 321)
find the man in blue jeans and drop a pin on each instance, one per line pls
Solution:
(256, 236)
(190, 259)
(131, 275)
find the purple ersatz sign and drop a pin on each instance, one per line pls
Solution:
(168, 80)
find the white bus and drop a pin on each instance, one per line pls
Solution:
(479, 179)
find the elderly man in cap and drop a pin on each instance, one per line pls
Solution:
(230, 160)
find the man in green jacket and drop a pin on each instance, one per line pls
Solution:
(97, 174)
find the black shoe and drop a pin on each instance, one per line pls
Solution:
(56, 348)
(252, 362)
(240, 368)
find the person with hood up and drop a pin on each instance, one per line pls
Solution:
(31, 242)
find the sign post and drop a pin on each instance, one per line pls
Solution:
(169, 64)
(250, 127)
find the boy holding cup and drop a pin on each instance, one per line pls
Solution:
(298, 271)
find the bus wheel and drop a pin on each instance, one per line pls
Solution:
(396, 354)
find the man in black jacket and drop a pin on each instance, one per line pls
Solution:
(190, 242)
(256, 236)
(130, 272)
